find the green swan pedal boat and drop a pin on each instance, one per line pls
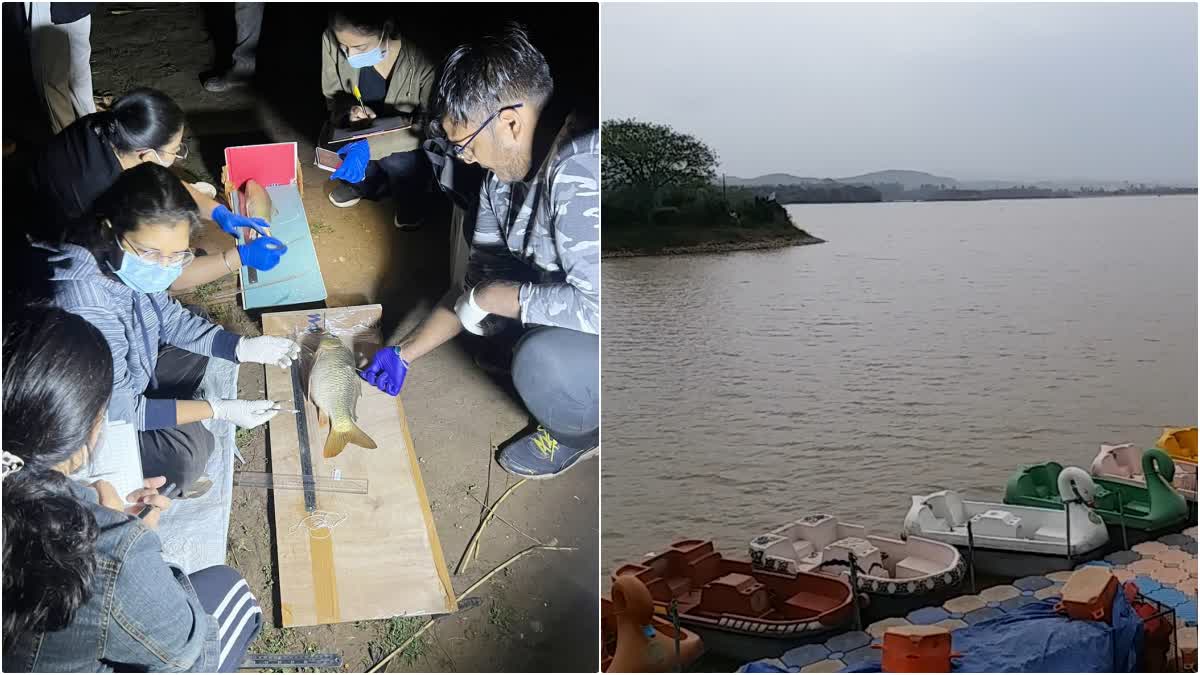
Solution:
(1154, 507)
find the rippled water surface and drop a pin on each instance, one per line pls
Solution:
(925, 346)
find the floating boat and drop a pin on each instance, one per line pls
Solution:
(1123, 464)
(633, 640)
(739, 611)
(1152, 507)
(1015, 541)
(899, 576)
(1179, 442)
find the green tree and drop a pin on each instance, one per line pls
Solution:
(650, 156)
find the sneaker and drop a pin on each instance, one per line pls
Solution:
(199, 488)
(539, 455)
(222, 83)
(344, 195)
(405, 227)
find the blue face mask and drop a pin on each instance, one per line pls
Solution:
(144, 276)
(369, 58)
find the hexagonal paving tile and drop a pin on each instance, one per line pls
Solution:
(1016, 603)
(1060, 577)
(1187, 612)
(928, 615)
(877, 629)
(1094, 563)
(1145, 566)
(963, 604)
(999, 593)
(861, 655)
(1172, 558)
(1169, 575)
(1032, 583)
(951, 624)
(1123, 557)
(1189, 548)
(1191, 532)
(1168, 596)
(1148, 548)
(1146, 584)
(1048, 592)
(1175, 539)
(1124, 575)
(847, 642)
(982, 615)
(804, 655)
(826, 666)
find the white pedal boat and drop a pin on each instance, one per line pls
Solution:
(1011, 540)
(898, 575)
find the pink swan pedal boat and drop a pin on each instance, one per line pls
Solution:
(1124, 463)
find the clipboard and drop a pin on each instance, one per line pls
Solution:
(380, 125)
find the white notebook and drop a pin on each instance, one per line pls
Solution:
(119, 461)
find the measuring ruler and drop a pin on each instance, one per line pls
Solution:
(277, 661)
(271, 481)
(306, 468)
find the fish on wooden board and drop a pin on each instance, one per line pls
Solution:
(334, 387)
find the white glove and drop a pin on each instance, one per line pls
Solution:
(205, 189)
(245, 414)
(267, 349)
(470, 313)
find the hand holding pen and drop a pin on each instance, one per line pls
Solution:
(148, 502)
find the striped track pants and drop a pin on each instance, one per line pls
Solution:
(224, 594)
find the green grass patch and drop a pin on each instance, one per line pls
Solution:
(320, 227)
(396, 631)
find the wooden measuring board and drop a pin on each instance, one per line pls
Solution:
(297, 278)
(381, 557)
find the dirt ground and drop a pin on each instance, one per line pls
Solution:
(541, 613)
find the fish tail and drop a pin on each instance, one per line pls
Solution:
(340, 438)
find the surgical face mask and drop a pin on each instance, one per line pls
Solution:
(145, 276)
(159, 160)
(369, 58)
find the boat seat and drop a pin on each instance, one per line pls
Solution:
(912, 566)
(996, 523)
(811, 603)
(867, 554)
(679, 585)
(1054, 532)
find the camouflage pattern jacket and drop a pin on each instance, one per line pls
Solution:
(545, 234)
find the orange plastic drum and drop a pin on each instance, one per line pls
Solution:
(1089, 594)
(917, 649)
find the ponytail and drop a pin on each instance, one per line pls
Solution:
(57, 382)
(141, 119)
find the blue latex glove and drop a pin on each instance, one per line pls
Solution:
(354, 162)
(387, 371)
(230, 222)
(263, 253)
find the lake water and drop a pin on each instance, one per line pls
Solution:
(925, 346)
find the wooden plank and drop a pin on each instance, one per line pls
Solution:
(384, 558)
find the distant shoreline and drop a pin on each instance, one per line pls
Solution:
(766, 243)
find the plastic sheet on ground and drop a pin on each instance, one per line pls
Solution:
(1032, 639)
(195, 532)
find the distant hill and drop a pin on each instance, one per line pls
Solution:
(909, 179)
(770, 179)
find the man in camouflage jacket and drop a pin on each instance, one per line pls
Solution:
(535, 253)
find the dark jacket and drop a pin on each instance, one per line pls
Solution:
(70, 12)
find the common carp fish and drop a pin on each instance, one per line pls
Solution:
(334, 387)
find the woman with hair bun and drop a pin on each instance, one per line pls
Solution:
(85, 584)
(81, 163)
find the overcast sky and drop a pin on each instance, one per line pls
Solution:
(972, 91)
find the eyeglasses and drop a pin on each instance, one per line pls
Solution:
(181, 153)
(149, 255)
(460, 149)
(360, 48)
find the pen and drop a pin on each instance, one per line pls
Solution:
(358, 95)
(146, 510)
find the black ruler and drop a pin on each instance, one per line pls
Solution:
(306, 467)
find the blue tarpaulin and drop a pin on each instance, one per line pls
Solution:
(1033, 639)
